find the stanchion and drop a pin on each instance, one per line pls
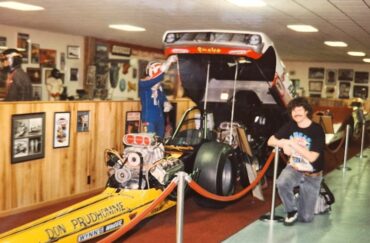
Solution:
(180, 207)
(344, 167)
(272, 216)
(362, 142)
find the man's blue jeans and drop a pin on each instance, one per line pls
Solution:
(309, 188)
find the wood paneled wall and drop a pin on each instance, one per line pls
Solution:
(63, 172)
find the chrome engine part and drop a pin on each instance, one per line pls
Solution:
(165, 169)
(142, 159)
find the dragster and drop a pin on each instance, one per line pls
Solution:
(236, 76)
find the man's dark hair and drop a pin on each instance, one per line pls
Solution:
(300, 102)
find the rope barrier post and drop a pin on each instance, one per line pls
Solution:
(180, 207)
(344, 167)
(362, 141)
(272, 216)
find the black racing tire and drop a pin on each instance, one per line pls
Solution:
(215, 173)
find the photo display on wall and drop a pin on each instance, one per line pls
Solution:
(331, 76)
(133, 122)
(344, 89)
(28, 136)
(361, 77)
(316, 73)
(345, 74)
(360, 91)
(83, 118)
(62, 121)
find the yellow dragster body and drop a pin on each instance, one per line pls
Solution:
(88, 219)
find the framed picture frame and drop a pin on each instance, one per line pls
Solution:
(345, 74)
(133, 122)
(27, 137)
(73, 52)
(34, 74)
(48, 58)
(360, 92)
(83, 119)
(315, 86)
(316, 72)
(361, 77)
(73, 74)
(62, 124)
(331, 76)
(344, 90)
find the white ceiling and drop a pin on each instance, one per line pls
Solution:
(341, 20)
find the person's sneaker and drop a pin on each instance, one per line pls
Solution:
(291, 218)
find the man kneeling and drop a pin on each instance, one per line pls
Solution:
(304, 142)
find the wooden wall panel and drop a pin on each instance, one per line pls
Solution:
(63, 172)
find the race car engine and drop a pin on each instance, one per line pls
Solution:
(142, 164)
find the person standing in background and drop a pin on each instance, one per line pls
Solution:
(18, 84)
(54, 85)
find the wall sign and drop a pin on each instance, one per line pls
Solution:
(121, 50)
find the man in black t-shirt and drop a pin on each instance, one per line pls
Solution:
(304, 142)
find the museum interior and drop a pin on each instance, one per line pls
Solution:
(81, 160)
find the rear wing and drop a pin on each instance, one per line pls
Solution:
(213, 53)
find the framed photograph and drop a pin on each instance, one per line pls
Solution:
(35, 53)
(23, 43)
(48, 57)
(315, 86)
(36, 92)
(73, 74)
(345, 74)
(35, 75)
(360, 92)
(28, 137)
(62, 122)
(316, 72)
(73, 52)
(83, 118)
(361, 77)
(133, 123)
(344, 89)
(331, 76)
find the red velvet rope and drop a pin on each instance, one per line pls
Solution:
(115, 235)
(333, 151)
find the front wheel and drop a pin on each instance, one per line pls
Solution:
(216, 172)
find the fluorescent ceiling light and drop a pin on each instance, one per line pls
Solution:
(248, 3)
(356, 53)
(20, 6)
(302, 28)
(336, 43)
(126, 27)
(366, 60)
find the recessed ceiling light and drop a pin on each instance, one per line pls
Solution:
(126, 27)
(356, 53)
(366, 60)
(336, 43)
(302, 28)
(248, 3)
(20, 6)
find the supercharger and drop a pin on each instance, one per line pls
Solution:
(142, 160)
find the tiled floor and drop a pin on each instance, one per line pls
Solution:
(348, 222)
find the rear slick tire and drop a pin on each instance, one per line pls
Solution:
(216, 173)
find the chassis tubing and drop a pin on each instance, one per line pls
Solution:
(196, 187)
(115, 235)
